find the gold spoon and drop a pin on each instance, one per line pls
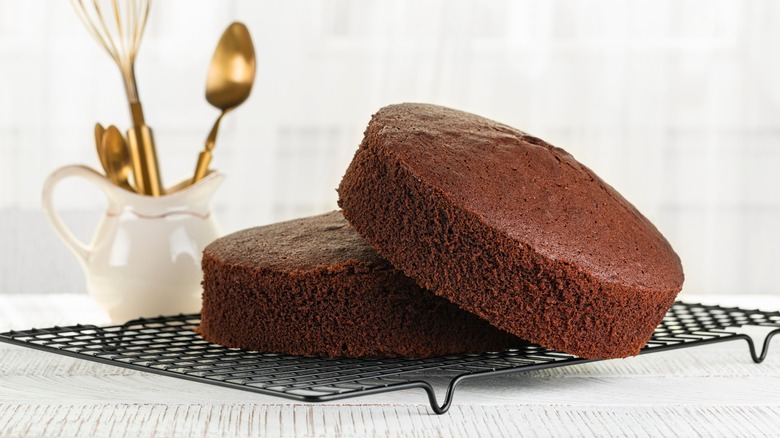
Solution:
(118, 161)
(229, 83)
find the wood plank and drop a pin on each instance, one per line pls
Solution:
(583, 391)
(239, 420)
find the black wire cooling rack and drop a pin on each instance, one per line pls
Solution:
(171, 347)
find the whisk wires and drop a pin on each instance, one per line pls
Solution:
(118, 31)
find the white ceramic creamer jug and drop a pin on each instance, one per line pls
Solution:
(144, 258)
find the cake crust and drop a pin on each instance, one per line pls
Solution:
(313, 286)
(511, 229)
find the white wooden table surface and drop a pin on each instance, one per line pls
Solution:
(707, 391)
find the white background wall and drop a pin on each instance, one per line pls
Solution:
(675, 103)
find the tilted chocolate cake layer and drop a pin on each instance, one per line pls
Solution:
(511, 229)
(313, 286)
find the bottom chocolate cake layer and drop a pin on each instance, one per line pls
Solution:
(313, 286)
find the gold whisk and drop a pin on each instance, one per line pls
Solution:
(119, 31)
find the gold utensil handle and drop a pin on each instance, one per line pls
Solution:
(204, 159)
(202, 168)
(146, 171)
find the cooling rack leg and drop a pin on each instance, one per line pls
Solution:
(758, 358)
(438, 409)
(447, 398)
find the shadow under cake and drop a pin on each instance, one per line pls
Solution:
(511, 229)
(313, 286)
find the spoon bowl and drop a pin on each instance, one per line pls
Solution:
(99, 131)
(232, 71)
(117, 156)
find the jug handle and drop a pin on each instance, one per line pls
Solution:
(79, 248)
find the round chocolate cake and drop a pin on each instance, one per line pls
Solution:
(313, 286)
(511, 229)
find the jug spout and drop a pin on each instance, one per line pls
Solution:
(199, 193)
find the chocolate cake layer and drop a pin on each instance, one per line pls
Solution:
(313, 286)
(511, 229)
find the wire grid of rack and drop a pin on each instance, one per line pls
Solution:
(170, 346)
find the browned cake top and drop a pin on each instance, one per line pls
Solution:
(321, 242)
(537, 194)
